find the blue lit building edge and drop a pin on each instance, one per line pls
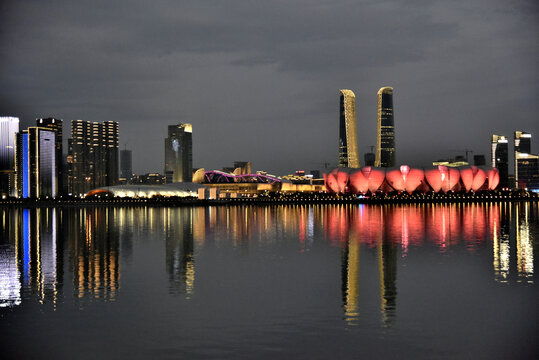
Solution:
(25, 170)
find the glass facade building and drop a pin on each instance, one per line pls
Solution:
(500, 158)
(9, 126)
(179, 153)
(348, 154)
(523, 142)
(526, 164)
(57, 126)
(527, 170)
(36, 173)
(385, 144)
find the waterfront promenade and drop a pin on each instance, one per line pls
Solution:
(276, 198)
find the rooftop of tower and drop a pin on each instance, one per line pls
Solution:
(347, 92)
(385, 89)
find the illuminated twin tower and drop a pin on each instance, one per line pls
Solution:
(385, 144)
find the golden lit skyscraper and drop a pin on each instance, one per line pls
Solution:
(348, 155)
(385, 145)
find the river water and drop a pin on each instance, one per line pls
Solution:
(270, 282)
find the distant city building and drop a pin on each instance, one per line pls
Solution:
(57, 126)
(458, 161)
(9, 126)
(239, 168)
(36, 174)
(500, 160)
(149, 179)
(94, 155)
(179, 153)
(526, 164)
(69, 166)
(348, 154)
(315, 174)
(479, 160)
(242, 168)
(385, 145)
(370, 159)
(126, 165)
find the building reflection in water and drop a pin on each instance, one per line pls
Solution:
(30, 255)
(350, 278)
(180, 258)
(94, 249)
(10, 276)
(390, 229)
(35, 242)
(524, 245)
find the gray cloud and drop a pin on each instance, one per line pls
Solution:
(260, 80)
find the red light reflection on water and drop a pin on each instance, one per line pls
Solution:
(412, 225)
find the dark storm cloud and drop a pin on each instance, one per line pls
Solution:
(260, 80)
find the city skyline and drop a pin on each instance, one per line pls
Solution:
(272, 82)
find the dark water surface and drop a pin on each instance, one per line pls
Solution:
(294, 282)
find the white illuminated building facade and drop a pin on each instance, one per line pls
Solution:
(9, 126)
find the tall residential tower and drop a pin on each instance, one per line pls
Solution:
(179, 153)
(94, 155)
(385, 144)
(348, 154)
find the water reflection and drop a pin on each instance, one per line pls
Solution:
(180, 259)
(524, 244)
(94, 251)
(350, 277)
(394, 229)
(29, 256)
(44, 251)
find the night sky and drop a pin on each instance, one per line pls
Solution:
(260, 80)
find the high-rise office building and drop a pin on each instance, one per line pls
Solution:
(348, 154)
(93, 155)
(500, 158)
(56, 125)
(385, 143)
(527, 171)
(126, 165)
(35, 164)
(526, 164)
(523, 142)
(179, 153)
(9, 126)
